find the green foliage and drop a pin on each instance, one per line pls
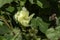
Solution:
(35, 22)
(40, 4)
(31, 1)
(53, 34)
(2, 2)
(42, 25)
(10, 29)
(22, 3)
(10, 9)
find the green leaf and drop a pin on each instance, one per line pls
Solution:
(42, 25)
(52, 34)
(10, 9)
(33, 23)
(22, 3)
(31, 1)
(2, 2)
(39, 3)
(2, 38)
(8, 36)
(19, 8)
(1, 23)
(4, 29)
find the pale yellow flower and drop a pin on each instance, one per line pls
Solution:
(23, 17)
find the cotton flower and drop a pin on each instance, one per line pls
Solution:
(23, 17)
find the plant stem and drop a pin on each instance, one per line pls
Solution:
(5, 21)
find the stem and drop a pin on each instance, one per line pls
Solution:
(10, 22)
(5, 21)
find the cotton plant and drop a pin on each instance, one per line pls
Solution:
(23, 17)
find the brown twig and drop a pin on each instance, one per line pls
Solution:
(10, 22)
(5, 21)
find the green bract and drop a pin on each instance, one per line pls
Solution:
(23, 16)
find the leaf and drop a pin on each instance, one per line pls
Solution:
(4, 29)
(42, 25)
(2, 2)
(40, 4)
(8, 36)
(31, 1)
(52, 34)
(58, 28)
(19, 8)
(33, 23)
(2, 38)
(22, 3)
(10, 9)
(1, 23)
